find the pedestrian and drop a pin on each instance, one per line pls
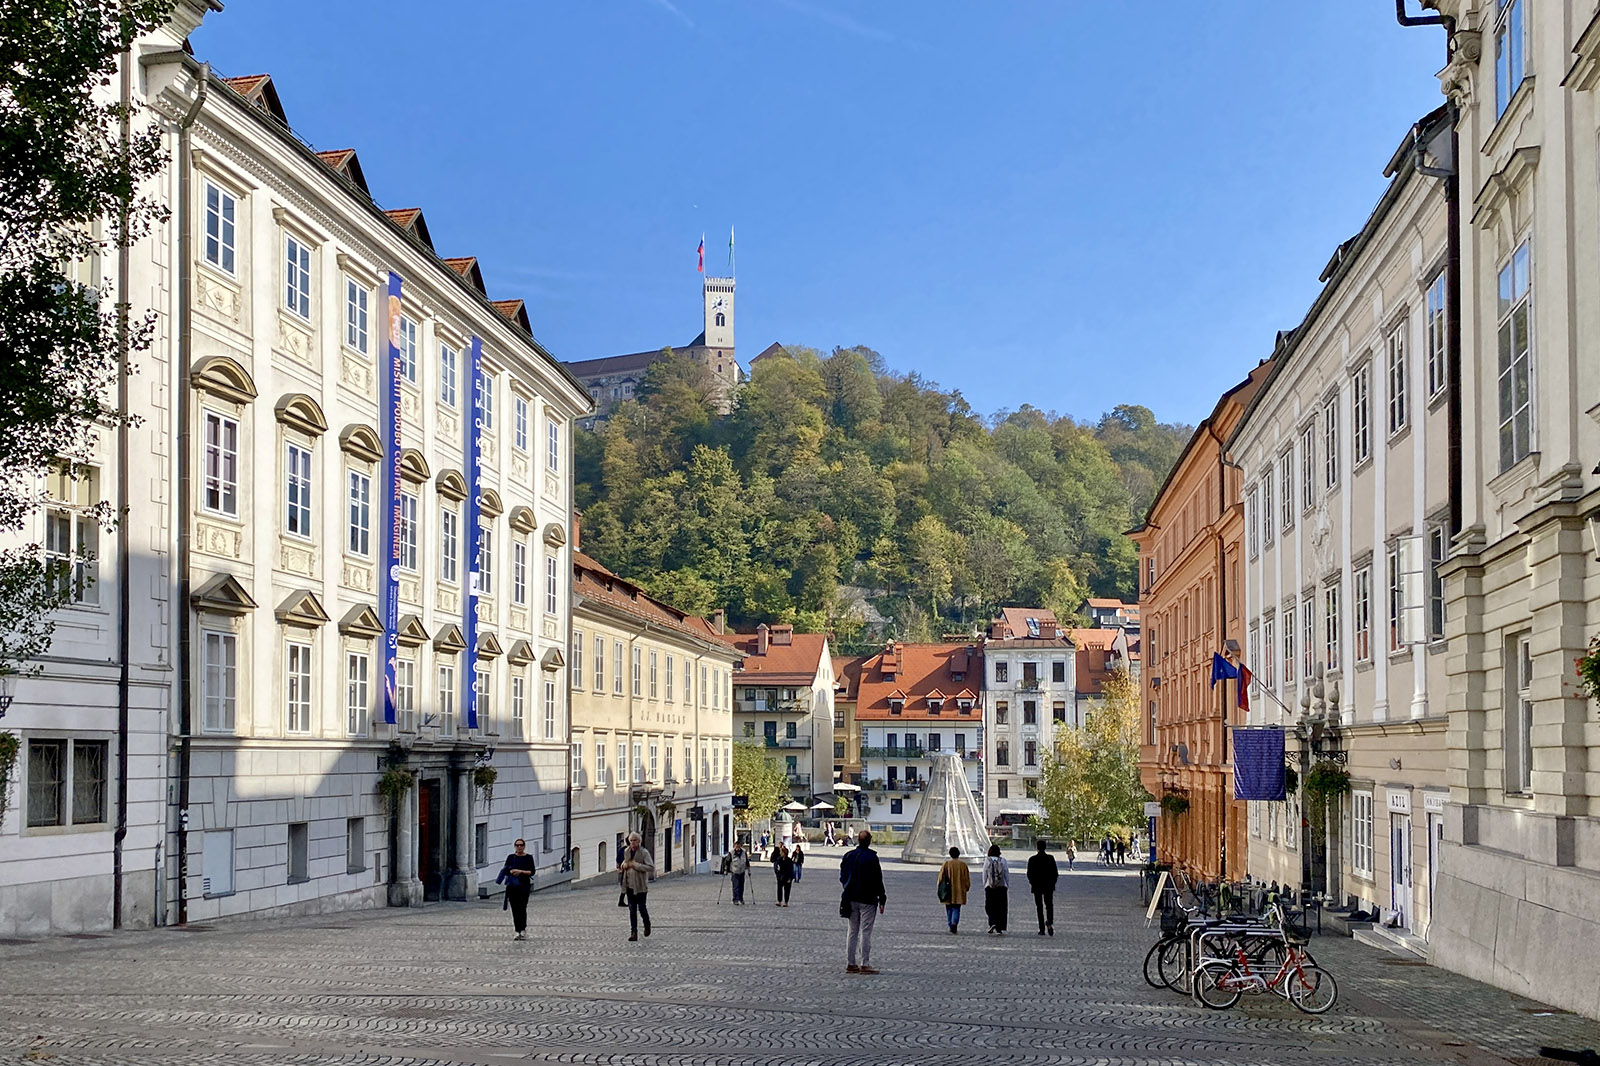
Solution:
(862, 877)
(996, 883)
(1072, 854)
(517, 876)
(827, 834)
(783, 868)
(737, 865)
(1122, 851)
(799, 861)
(1105, 850)
(622, 889)
(1042, 877)
(636, 867)
(955, 881)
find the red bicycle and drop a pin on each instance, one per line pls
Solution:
(1220, 982)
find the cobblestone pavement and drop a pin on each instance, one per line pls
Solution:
(718, 985)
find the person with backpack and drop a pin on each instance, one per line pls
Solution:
(996, 885)
(736, 864)
(1042, 877)
(955, 881)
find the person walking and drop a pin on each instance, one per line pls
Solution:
(996, 883)
(1122, 851)
(738, 864)
(1042, 877)
(799, 861)
(862, 877)
(636, 867)
(783, 868)
(1072, 854)
(955, 881)
(517, 876)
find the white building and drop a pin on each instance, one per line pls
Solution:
(1029, 692)
(652, 727)
(276, 377)
(783, 700)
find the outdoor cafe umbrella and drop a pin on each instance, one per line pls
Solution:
(821, 805)
(794, 806)
(842, 786)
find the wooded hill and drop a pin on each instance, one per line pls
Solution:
(840, 496)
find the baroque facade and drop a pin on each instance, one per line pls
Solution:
(1028, 688)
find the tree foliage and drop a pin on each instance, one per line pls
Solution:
(1089, 783)
(757, 775)
(836, 482)
(69, 197)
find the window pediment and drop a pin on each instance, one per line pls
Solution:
(523, 520)
(411, 633)
(521, 654)
(489, 504)
(1504, 203)
(222, 594)
(414, 466)
(489, 647)
(450, 641)
(361, 442)
(361, 621)
(223, 377)
(452, 486)
(552, 659)
(303, 609)
(554, 535)
(301, 412)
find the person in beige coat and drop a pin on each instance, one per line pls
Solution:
(636, 867)
(959, 878)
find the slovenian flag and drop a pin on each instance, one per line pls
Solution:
(1244, 686)
(1221, 669)
(700, 255)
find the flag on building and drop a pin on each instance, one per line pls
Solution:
(1245, 677)
(700, 256)
(1258, 763)
(1221, 669)
(730, 249)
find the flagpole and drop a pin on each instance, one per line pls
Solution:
(730, 251)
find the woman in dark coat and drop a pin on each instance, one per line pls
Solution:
(783, 867)
(799, 861)
(517, 875)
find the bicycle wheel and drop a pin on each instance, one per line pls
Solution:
(1215, 985)
(1312, 989)
(1152, 965)
(1173, 965)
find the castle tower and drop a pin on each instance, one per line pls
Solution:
(716, 341)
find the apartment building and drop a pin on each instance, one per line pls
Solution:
(784, 691)
(652, 727)
(1027, 690)
(846, 729)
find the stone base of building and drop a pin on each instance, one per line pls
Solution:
(1499, 914)
(369, 898)
(76, 905)
(404, 894)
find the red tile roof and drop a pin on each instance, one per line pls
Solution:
(515, 310)
(403, 216)
(467, 267)
(1112, 604)
(794, 663)
(847, 676)
(598, 585)
(1014, 621)
(921, 671)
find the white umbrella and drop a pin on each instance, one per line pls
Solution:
(840, 786)
(821, 806)
(794, 806)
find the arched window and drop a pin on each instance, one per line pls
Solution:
(722, 320)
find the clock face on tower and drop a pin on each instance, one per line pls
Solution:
(718, 304)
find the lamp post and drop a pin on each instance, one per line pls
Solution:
(8, 682)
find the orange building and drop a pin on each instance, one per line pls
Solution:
(1189, 550)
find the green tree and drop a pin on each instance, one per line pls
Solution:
(757, 776)
(1089, 783)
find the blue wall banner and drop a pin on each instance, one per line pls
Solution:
(1258, 763)
(474, 538)
(392, 536)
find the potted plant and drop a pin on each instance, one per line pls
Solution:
(1325, 781)
(395, 782)
(483, 779)
(1174, 804)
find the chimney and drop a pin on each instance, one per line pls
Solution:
(761, 639)
(577, 526)
(719, 620)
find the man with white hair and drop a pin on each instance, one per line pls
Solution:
(636, 867)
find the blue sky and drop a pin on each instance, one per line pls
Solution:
(1073, 203)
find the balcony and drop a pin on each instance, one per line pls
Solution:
(800, 781)
(786, 742)
(762, 705)
(896, 752)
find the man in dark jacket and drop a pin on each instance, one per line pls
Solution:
(1042, 876)
(862, 877)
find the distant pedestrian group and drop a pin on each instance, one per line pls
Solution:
(955, 882)
(1113, 851)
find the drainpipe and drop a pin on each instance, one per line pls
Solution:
(124, 581)
(185, 476)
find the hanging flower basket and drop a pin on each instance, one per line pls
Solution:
(1589, 670)
(1325, 783)
(483, 779)
(395, 783)
(1174, 804)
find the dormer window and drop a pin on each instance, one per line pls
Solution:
(965, 706)
(934, 705)
(897, 702)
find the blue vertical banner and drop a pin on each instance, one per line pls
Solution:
(392, 537)
(474, 538)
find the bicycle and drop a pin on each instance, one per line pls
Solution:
(1219, 982)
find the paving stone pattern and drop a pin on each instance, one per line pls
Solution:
(718, 985)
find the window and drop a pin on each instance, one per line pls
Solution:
(552, 588)
(355, 316)
(409, 530)
(1308, 638)
(1002, 672)
(1266, 509)
(221, 680)
(297, 474)
(485, 389)
(221, 211)
(299, 846)
(1438, 552)
(1330, 625)
(897, 806)
(688, 681)
(67, 782)
(599, 763)
(1253, 650)
(638, 761)
(222, 464)
(655, 760)
(1510, 57)
(1002, 712)
(1361, 834)
(405, 694)
(1030, 753)
(297, 277)
(1516, 360)
(1030, 712)
(519, 571)
(1286, 481)
(1435, 335)
(1395, 595)
(577, 760)
(519, 423)
(1308, 466)
(519, 704)
(616, 667)
(357, 692)
(1362, 616)
(408, 349)
(577, 659)
(449, 364)
(1269, 651)
(654, 673)
(1330, 443)
(355, 845)
(638, 671)
(449, 542)
(1002, 753)
(599, 663)
(552, 457)
(1252, 523)
(297, 687)
(547, 833)
(1149, 573)
(47, 782)
(447, 693)
(1519, 717)
(486, 556)
(1361, 416)
(1288, 645)
(71, 532)
(668, 677)
(702, 686)
(1002, 788)
(359, 540)
(1058, 672)
(1058, 712)
(1397, 379)
(480, 843)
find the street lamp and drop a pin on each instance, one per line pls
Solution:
(7, 683)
